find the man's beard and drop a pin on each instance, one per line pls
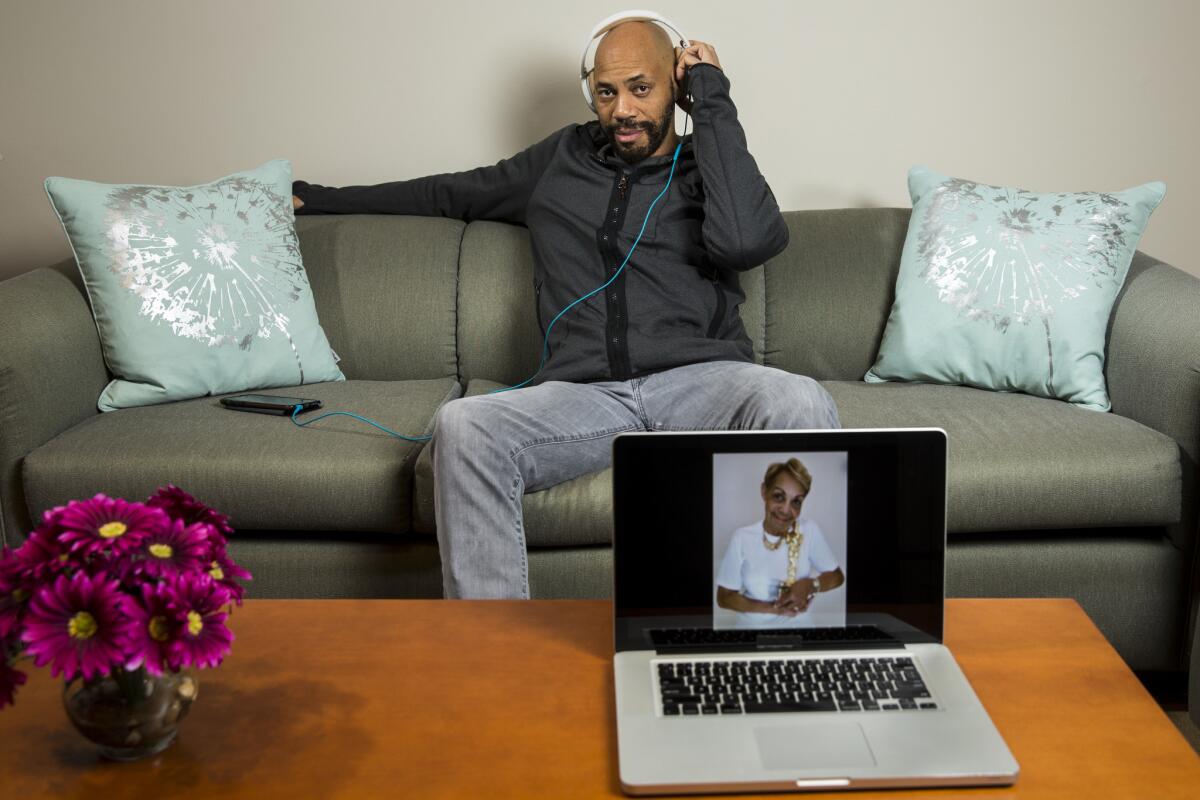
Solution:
(655, 134)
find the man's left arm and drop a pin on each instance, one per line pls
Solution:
(742, 223)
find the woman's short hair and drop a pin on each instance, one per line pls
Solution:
(792, 467)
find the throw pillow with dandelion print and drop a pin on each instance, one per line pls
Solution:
(1008, 289)
(196, 290)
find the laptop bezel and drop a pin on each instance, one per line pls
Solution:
(633, 624)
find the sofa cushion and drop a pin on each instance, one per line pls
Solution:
(1019, 462)
(261, 470)
(498, 336)
(828, 294)
(385, 287)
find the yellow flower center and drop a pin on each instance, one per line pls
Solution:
(111, 530)
(82, 626)
(217, 573)
(160, 550)
(159, 631)
(195, 623)
(20, 595)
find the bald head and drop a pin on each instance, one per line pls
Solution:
(642, 42)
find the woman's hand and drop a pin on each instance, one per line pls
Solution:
(736, 601)
(797, 598)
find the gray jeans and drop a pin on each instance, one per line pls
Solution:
(489, 450)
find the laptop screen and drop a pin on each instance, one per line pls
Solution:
(778, 540)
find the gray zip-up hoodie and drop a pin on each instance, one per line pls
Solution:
(676, 301)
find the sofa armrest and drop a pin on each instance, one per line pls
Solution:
(51, 374)
(1194, 674)
(1153, 374)
(1153, 363)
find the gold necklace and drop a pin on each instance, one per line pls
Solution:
(767, 543)
(791, 534)
(794, 538)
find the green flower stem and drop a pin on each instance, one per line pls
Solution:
(132, 684)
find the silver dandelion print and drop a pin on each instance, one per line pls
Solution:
(219, 264)
(1009, 257)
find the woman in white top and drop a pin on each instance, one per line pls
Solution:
(773, 569)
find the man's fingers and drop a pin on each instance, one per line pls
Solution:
(698, 53)
(681, 56)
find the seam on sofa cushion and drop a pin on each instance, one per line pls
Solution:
(462, 237)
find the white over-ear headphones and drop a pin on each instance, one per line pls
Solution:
(607, 25)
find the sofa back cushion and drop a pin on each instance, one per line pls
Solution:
(498, 337)
(398, 295)
(385, 288)
(828, 295)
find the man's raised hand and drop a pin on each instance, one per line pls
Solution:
(688, 57)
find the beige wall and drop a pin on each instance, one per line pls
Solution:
(838, 98)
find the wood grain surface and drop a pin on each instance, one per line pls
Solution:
(483, 699)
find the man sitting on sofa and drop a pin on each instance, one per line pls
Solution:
(661, 348)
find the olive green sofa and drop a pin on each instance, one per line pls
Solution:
(1045, 499)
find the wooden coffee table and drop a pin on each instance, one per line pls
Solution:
(481, 699)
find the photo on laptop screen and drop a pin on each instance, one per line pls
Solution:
(779, 525)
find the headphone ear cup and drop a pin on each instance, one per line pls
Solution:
(589, 96)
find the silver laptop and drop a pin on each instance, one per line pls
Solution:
(779, 609)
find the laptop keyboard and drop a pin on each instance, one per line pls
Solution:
(801, 684)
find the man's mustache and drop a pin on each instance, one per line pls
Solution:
(622, 126)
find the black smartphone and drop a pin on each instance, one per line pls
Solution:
(269, 404)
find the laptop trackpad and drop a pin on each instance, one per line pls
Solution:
(813, 746)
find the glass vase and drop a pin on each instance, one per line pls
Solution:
(130, 714)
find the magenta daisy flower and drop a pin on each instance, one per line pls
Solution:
(180, 505)
(227, 573)
(154, 626)
(176, 548)
(77, 626)
(107, 524)
(199, 606)
(10, 678)
(13, 594)
(51, 523)
(42, 557)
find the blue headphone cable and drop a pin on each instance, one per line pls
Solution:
(306, 423)
(546, 338)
